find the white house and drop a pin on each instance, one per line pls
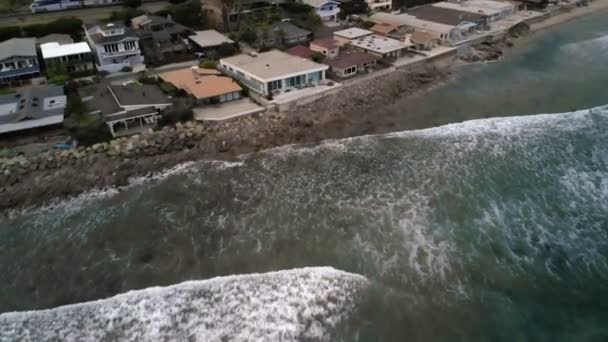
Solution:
(379, 5)
(115, 46)
(273, 71)
(77, 57)
(344, 37)
(493, 10)
(328, 10)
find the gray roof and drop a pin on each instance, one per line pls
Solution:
(98, 38)
(444, 16)
(55, 38)
(290, 30)
(103, 97)
(18, 47)
(32, 107)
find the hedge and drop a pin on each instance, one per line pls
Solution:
(65, 25)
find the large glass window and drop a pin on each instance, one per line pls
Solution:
(296, 81)
(274, 85)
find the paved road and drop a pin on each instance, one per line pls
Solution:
(88, 15)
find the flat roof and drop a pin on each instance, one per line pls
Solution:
(273, 64)
(349, 59)
(201, 85)
(352, 33)
(380, 44)
(467, 8)
(446, 16)
(411, 21)
(52, 50)
(328, 43)
(209, 38)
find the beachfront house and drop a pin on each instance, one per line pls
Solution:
(327, 46)
(466, 22)
(32, 107)
(447, 34)
(423, 41)
(76, 57)
(273, 71)
(382, 47)
(392, 31)
(204, 85)
(18, 60)
(352, 62)
(115, 45)
(126, 109)
(327, 10)
(490, 10)
(344, 37)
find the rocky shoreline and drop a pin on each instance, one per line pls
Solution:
(55, 174)
(358, 109)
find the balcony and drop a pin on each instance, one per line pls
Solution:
(19, 71)
(119, 53)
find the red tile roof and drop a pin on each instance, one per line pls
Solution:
(300, 51)
(347, 60)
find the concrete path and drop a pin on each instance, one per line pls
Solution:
(228, 110)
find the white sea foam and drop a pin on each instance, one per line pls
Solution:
(301, 304)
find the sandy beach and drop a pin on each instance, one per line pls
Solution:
(597, 6)
(361, 111)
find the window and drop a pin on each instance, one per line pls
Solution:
(274, 85)
(296, 81)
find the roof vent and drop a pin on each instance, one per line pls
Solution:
(267, 66)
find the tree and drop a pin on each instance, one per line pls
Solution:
(57, 73)
(225, 50)
(87, 129)
(188, 14)
(132, 3)
(248, 35)
(317, 56)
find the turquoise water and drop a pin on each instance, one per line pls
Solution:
(487, 230)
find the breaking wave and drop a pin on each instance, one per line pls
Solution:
(295, 305)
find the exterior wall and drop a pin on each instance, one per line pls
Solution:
(112, 57)
(74, 63)
(379, 5)
(265, 87)
(341, 41)
(392, 54)
(328, 11)
(352, 70)
(329, 53)
(19, 68)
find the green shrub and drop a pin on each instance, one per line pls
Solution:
(208, 64)
(168, 88)
(148, 80)
(317, 56)
(126, 68)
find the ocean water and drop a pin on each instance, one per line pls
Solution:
(493, 229)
